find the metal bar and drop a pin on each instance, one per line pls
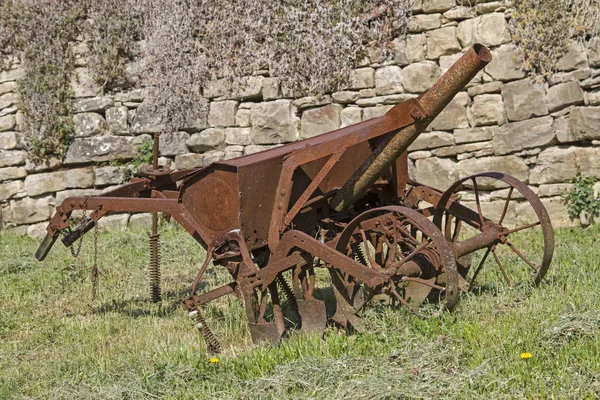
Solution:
(424, 110)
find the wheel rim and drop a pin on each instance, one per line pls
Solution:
(409, 235)
(528, 214)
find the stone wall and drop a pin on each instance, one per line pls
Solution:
(503, 121)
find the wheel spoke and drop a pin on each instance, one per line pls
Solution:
(475, 188)
(517, 252)
(510, 192)
(522, 228)
(501, 267)
(410, 256)
(409, 237)
(487, 253)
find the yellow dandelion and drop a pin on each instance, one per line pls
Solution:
(214, 360)
(525, 356)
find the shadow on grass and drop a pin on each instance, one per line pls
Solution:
(143, 307)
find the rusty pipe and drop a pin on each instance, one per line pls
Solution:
(432, 102)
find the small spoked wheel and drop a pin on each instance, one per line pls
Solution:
(502, 219)
(403, 245)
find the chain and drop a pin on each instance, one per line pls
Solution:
(75, 253)
(95, 273)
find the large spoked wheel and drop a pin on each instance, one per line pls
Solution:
(402, 244)
(511, 227)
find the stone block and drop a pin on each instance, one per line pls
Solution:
(9, 140)
(7, 123)
(516, 136)
(486, 88)
(454, 116)
(83, 85)
(555, 189)
(584, 124)
(237, 136)
(388, 80)
(273, 122)
(37, 231)
(503, 66)
(12, 158)
(374, 112)
(222, 113)
(113, 223)
(389, 99)
(10, 173)
(312, 101)
(350, 116)
(233, 152)
(459, 13)
(146, 120)
(28, 210)
(424, 22)
(47, 182)
(206, 140)
(321, 120)
(441, 42)
(9, 189)
(488, 29)
(574, 58)
(439, 173)
(593, 52)
(487, 109)
(432, 140)
(254, 148)
(8, 99)
(419, 155)
(217, 88)
(190, 160)
(242, 117)
(249, 88)
(362, 78)
(510, 165)
(415, 48)
(524, 99)
(103, 148)
(88, 124)
(108, 175)
(345, 97)
(12, 75)
(213, 156)
(116, 120)
(559, 164)
(8, 87)
(171, 144)
(63, 195)
(419, 77)
(463, 149)
(399, 45)
(140, 221)
(439, 6)
(564, 95)
(197, 120)
(94, 104)
(470, 135)
(270, 89)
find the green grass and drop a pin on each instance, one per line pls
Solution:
(57, 343)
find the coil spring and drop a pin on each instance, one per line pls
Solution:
(289, 294)
(212, 343)
(154, 270)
